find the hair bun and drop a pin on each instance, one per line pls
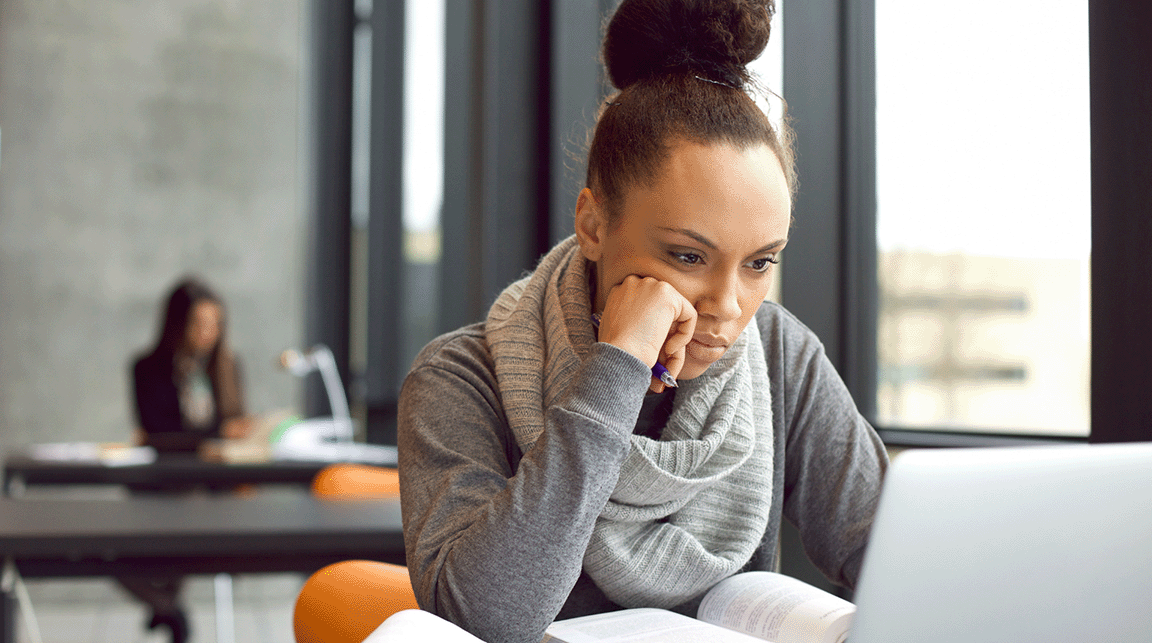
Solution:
(714, 38)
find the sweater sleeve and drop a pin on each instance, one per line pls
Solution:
(495, 538)
(835, 461)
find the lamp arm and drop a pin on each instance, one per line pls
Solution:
(326, 364)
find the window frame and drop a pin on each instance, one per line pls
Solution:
(830, 276)
(516, 101)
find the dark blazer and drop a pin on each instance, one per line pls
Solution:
(158, 408)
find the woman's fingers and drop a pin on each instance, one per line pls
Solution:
(650, 319)
(675, 347)
(674, 362)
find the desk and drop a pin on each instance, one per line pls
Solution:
(279, 532)
(169, 470)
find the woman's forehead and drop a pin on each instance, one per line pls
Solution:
(716, 189)
(205, 308)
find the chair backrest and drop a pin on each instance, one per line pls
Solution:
(347, 601)
(352, 481)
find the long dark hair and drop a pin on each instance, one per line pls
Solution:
(681, 70)
(221, 366)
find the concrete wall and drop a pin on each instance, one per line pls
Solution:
(142, 141)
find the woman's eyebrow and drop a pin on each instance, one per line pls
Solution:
(712, 246)
(701, 239)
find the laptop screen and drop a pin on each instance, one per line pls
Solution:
(1049, 543)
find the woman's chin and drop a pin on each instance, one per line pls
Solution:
(698, 359)
(692, 369)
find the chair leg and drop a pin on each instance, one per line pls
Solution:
(225, 613)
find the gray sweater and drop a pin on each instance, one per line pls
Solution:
(495, 537)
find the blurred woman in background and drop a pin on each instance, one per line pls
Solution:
(188, 387)
(187, 390)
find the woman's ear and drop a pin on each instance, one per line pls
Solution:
(591, 225)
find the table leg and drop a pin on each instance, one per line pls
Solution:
(14, 485)
(7, 617)
(8, 602)
(225, 615)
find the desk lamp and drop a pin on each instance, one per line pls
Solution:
(325, 438)
(319, 358)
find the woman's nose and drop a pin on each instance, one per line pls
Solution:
(722, 301)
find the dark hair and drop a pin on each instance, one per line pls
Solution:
(221, 366)
(681, 70)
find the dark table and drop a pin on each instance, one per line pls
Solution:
(171, 471)
(271, 532)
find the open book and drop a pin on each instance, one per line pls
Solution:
(745, 608)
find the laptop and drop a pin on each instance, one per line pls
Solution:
(1015, 544)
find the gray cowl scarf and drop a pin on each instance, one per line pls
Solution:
(688, 510)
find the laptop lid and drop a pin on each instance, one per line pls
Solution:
(1049, 543)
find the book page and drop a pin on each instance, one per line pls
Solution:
(640, 626)
(417, 625)
(777, 608)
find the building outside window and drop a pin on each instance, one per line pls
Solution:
(983, 216)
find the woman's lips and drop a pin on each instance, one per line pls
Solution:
(706, 349)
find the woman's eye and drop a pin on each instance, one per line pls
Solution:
(764, 263)
(688, 258)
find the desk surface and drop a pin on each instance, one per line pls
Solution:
(196, 534)
(169, 470)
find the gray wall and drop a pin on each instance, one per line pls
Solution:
(142, 141)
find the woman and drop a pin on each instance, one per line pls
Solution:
(545, 473)
(188, 386)
(187, 390)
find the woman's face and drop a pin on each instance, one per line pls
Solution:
(710, 225)
(203, 330)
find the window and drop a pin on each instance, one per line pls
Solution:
(520, 74)
(983, 216)
(396, 197)
(423, 173)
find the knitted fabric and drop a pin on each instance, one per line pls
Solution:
(687, 510)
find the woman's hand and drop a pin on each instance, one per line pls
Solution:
(237, 428)
(651, 320)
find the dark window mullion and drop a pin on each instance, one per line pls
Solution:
(461, 293)
(576, 88)
(329, 270)
(811, 277)
(382, 374)
(496, 168)
(1120, 60)
(860, 285)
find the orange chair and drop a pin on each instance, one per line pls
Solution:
(347, 601)
(337, 481)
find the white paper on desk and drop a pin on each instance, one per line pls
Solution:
(641, 625)
(420, 627)
(309, 449)
(112, 455)
(128, 456)
(65, 452)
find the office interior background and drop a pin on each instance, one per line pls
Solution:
(140, 142)
(369, 175)
(971, 226)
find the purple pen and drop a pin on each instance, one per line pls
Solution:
(658, 371)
